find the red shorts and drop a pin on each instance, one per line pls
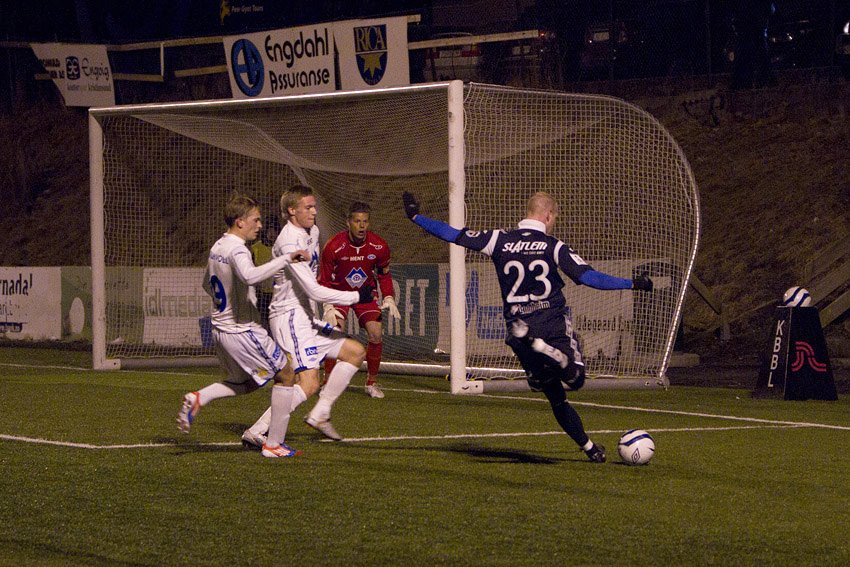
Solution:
(365, 312)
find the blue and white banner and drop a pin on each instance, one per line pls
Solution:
(606, 328)
(81, 72)
(372, 53)
(281, 62)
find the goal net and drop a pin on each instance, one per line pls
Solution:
(472, 154)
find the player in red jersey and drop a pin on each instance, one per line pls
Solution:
(351, 259)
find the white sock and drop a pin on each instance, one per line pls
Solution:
(587, 446)
(337, 383)
(214, 392)
(298, 396)
(281, 402)
(261, 426)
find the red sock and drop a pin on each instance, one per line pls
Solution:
(373, 360)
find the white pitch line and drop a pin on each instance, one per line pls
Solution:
(72, 445)
(544, 433)
(91, 446)
(720, 416)
(768, 422)
(44, 366)
(647, 410)
(87, 369)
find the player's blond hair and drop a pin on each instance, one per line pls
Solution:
(237, 207)
(541, 203)
(291, 198)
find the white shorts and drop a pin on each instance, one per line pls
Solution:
(249, 354)
(306, 340)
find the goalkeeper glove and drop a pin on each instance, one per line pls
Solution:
(367, 294)
(411, 205)
(390, 305)
(331, 315)
(642, 282)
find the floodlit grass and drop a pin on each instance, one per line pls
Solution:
(449, 489)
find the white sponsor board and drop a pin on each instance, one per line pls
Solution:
(81, 72)
(30, 303)
(175, 306)
(281, 62)
(372, 53)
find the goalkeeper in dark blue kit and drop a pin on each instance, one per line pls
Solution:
(540, 331)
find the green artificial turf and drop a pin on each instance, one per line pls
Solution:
(426, 478)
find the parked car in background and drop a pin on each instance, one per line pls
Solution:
(610, 47)
(524, 58)
(799, 43)
(801, 34)
(444, 63)
(532, 61)
(645, 38)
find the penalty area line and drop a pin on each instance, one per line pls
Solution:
(645, 410)
(91, 446)
(543, 433)
(719, 416)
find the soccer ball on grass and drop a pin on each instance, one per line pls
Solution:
(636, 447)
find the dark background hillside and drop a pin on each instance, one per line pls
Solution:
(769, 157)
(774, 183)
(771, 166)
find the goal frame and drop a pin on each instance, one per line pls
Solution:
(100, 361)
(458, 371)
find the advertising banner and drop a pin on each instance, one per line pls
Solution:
(30, 303)
(175, 306)
(81, 72)
(796, 365)
(483, 310)
(604, 332)
(281, 62)
(372, 53)
(124, 304)
(417, 292)
(176, 310)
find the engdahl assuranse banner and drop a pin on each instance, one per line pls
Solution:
(290, 61)
(281, 62)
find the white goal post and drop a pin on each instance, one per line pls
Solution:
(473, 154)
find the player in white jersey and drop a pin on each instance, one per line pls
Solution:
(247, 354)
(296, 326)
